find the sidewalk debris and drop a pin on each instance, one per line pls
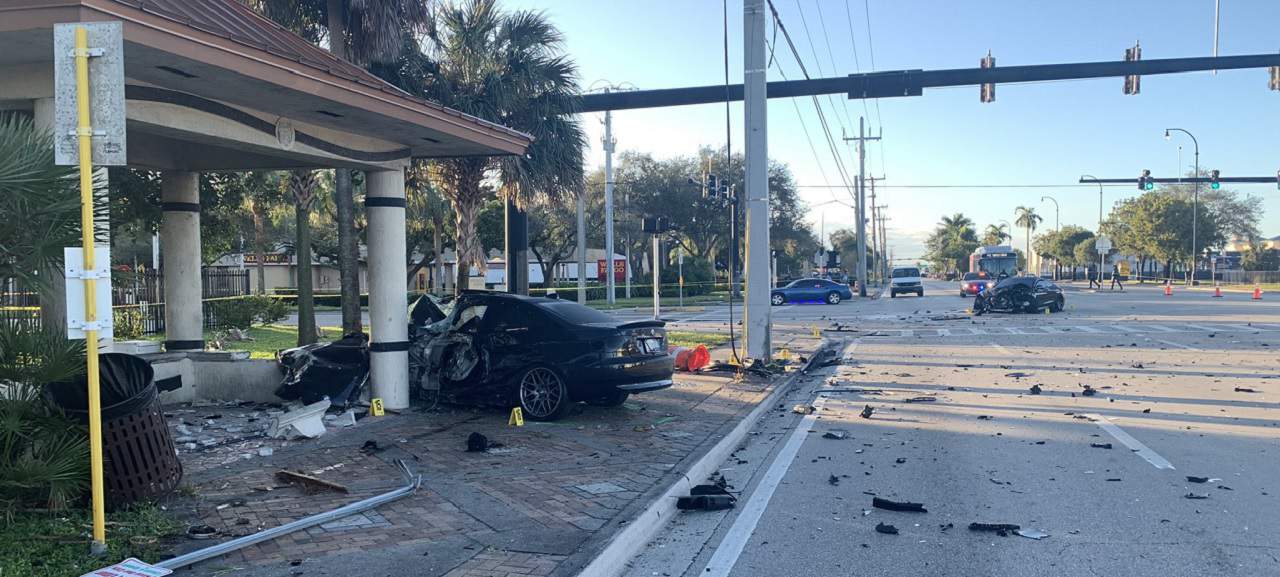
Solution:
(904, 506)
(867, 411)
(310, 483)
(1194, 479)
(836, 434)
(477, 443)
(345, 419)
(1100, 445)
(306, 421)
(371, 447)
(201, 532)
(1197, 495)
(803, 409)
(1031, 533)
(886, 529)
(705, 502)
(1001, 529)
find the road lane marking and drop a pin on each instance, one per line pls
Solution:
(1138, 448)
(1124, 329)
(944, 333)
(1164, 328)
(1002, 350)
(1204, 328)
(1087, 329)
(730, 548)
(1178, 345)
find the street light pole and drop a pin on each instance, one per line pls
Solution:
(1195, 199)
(1057, 226)
(1100, 256)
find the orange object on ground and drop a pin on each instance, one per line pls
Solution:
(1257, 293)
(1217, 292)
(1168, 289)
(688, 359)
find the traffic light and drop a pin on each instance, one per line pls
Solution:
(1213, 180)
(988, 91)
(1275, 78)
(1133, 82)
(1145, 182)
(713, 185)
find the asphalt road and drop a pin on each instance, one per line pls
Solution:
(1168, 374)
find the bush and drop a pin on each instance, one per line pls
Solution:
(244, 312)
(128, 323)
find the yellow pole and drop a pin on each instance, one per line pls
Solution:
(85, 133)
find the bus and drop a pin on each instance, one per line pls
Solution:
(996, 261)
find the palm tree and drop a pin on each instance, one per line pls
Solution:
(1028, 219)
(505, 68)
(368, 33)
(994, 235)
(303, 185)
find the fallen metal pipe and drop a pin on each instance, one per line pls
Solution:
(414, 481)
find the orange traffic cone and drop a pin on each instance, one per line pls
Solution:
(1168, 289)
(1257, 293)
(1217, 292)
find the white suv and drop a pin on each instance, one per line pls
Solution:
(906, 279)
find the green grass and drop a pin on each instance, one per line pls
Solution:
(695, 338)
(57, 545)
(621, 303)
(266, 341)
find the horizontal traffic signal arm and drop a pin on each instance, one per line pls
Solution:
(913, 82)
(1184, 180)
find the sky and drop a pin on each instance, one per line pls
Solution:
(942, 152)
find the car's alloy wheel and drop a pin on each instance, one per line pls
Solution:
(777, 299)
(833, 298)
(543, 396)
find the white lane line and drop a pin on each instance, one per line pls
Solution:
(1002, 350)
(907, 333)
(1086, 329)
(1178, 345)
(1164, 328)
(1204, 328)
(944, 332)
(730, 548)
(1138, 448)
(1124, 329)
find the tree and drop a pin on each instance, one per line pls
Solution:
(1159, 225)
(951, 243)
(505, 68)
(265, 195)
(1028, 219)
(369, 33)
(995, 234)
(1259, 257)
(552, 235)
(302, 186)
(426, 220)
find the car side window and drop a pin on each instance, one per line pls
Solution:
(469, 317)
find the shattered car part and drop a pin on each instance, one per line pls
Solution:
(1019, 294)
(413, 482)
(904, 506)
(338, 370)
(1001, 529)
(1031, 533)
(886, 529)
(307, 421)
(705, 502)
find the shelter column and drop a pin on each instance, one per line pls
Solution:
(388, 301)
(180, 239)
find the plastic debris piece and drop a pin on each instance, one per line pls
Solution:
(921, 399)
(705, 502)
(1197, 495)
(1031, 533)
(904, 506)
(1017, 375)
(307, 421)
(1035, 389)
(804, 409)
(867, 411)
(1001, 529)
(986, 418)
(1089, 391)
(833, 480)
(1100, 445)
(1245, 390)
(886, 529)
(1194, 479)
(836, 434)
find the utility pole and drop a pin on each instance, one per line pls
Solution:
(884, 241)
(608, 204)
(875, 243)
(756, 326)
(862, 139)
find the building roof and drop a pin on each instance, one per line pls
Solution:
(223, 50)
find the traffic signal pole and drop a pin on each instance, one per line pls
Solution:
(756, 324)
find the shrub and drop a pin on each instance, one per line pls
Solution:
(241, 313)
(128, 323)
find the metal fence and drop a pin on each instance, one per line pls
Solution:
(1249, 277)
(139, 297)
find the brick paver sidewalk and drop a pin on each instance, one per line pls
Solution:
(541, 504)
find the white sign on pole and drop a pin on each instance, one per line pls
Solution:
(130, 568)
(106, 93)
(1103, 244)
(73, 267)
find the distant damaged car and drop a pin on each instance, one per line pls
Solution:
(540, 354)
(1019, 294)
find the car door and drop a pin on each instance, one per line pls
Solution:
(815, 290)
(1043, 295)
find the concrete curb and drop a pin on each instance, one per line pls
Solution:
(612, 560)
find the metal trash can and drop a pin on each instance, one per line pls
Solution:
(139, 460)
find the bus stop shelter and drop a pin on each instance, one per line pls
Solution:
(212, 86)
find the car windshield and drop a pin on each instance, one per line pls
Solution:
(1016, 280)
(905, 272)
(972, 276)
(575, 313)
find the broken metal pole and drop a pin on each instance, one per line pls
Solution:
(414, 481)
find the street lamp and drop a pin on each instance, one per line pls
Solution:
(1057, 226)
(1100, 255)
(1195, 197)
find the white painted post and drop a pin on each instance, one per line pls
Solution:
(180, 237)
(757, 326)
(388, 299)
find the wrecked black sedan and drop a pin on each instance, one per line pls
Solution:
(1019, 294)
(540, 354)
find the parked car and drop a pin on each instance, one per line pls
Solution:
(1020, 294)
(540, 354)
(906, 279)
(811, 290)
(973, 283)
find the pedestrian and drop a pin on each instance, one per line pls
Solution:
(1115, 278)
(1093, 273)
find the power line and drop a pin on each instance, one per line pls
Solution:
(846, 122)
(866, 7)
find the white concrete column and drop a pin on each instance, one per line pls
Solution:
(180, 258)
(388, 298)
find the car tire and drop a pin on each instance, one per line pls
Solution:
(893, 295)
(542, 394)
(833, 298)
(920, 293)
(615, 398)
(1056, 306)
(778, 300)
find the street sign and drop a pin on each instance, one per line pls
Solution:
(1103, 244)
(106, 93)
(73, 261)
(129, 568)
